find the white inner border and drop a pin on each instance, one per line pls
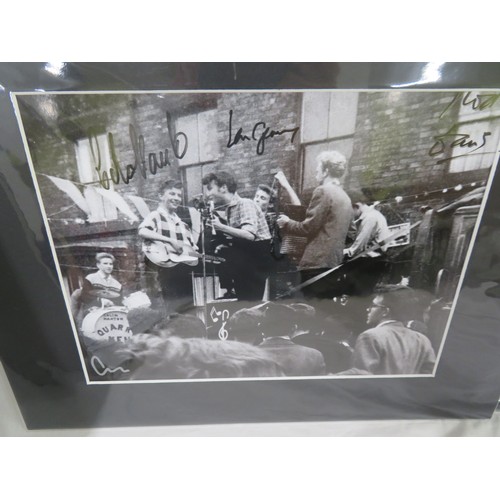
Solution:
(258, 91)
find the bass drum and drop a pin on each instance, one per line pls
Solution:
(107, 323)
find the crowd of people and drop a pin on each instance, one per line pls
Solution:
(315, 329)
(280, 339)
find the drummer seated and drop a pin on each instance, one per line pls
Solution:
(100, 289)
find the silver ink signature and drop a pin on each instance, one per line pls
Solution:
(101, 369)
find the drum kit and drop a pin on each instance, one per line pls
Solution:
(110, 323)
(107, 323)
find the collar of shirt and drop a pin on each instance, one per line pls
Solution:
(387, 322)
(277, 338)
(234, 201)
(104, 276)
(330, 180)
(172, 215)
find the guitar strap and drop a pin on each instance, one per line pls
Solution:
(196, 224)
(157, 219)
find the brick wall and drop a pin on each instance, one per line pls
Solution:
(394, 133)
(148, 117)
(278, 110)
(53, 151)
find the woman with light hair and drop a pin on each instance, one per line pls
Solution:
(327, 221)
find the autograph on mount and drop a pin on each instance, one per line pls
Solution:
(260, 133)
(101, 369)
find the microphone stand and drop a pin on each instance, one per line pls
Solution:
(204, 269)
(203, 218)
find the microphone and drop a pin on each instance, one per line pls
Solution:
(198, 202)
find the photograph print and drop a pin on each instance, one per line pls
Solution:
(234, 235)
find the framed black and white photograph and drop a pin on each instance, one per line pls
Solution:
(229, 235)
(269, 249)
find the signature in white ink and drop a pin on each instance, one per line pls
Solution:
(101, 369)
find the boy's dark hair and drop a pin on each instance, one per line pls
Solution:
(221, 179)
(264, 187)
(359, 197)
(278, 320)
(401, 300)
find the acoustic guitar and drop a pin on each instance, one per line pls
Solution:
(163, 254)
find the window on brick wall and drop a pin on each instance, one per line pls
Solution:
(202, 151)
(483, 157)
(328, 122)
(480, 126)
(87, 157)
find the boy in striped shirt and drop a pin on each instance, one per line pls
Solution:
(164, 225)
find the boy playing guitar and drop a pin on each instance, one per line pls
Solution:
(168, 241)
